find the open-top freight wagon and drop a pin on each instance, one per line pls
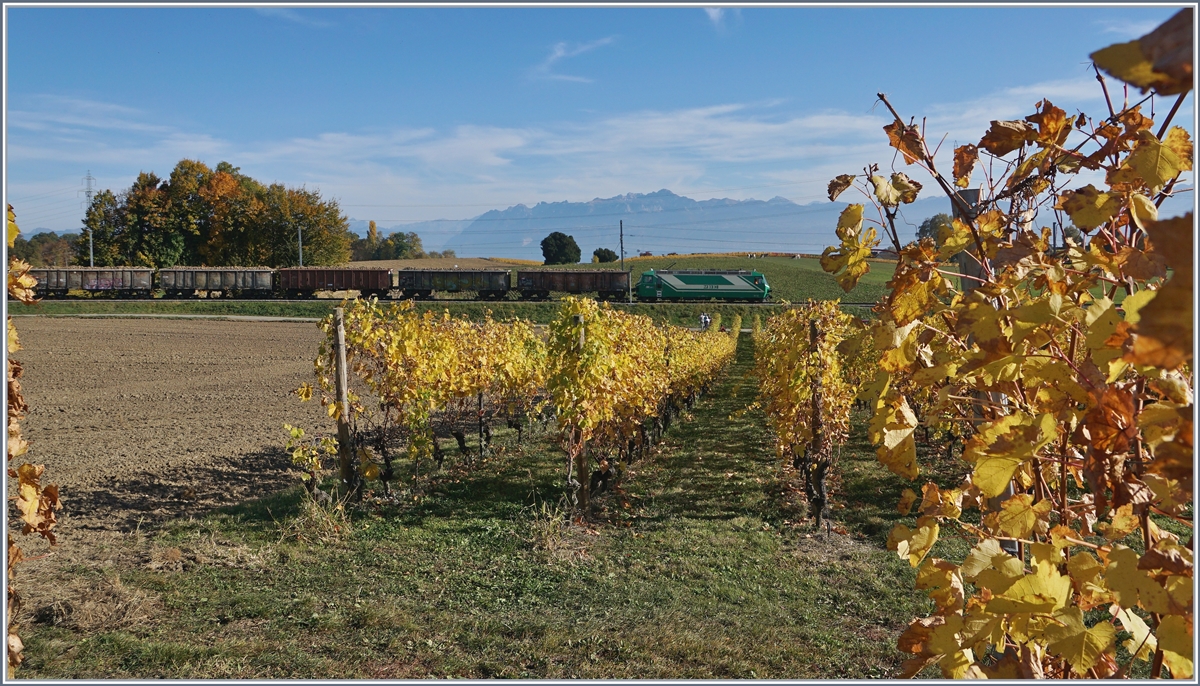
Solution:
(306, 281)
(489, 284)
(245, 282)
(605, 283)
(118, 282)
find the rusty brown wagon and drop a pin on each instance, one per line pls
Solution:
(605, 283)
(299, 282)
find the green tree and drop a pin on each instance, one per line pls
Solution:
(559, 248)
(149, 240)
(1071, 233)
(289, 214)
(929, 227)
(186, 208)
(104, 224)
(605, 255)
(45, 249)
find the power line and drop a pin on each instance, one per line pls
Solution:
(48, 194)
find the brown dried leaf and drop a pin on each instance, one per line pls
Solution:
(906, 139)
(965, 157)
(839, 184)
(1005, 136)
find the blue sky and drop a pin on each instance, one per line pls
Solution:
(426, 113)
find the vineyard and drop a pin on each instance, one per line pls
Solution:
(988, 474)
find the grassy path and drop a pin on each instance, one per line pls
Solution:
(696, 572)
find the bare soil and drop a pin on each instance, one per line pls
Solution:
(144, 420)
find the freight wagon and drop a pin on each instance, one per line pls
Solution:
(490, 284)
(703, 284)
(180, 282)
(120, 282)
(295, 282)
(605, 283)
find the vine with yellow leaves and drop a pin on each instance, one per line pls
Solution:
(1068, 371)
(419, 374)
(807, 390)
(36, 504)
(616, 380)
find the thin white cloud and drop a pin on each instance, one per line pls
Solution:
(1129, 30)
(290, 15)
(735, 150)
(720, 16)
(561, 51)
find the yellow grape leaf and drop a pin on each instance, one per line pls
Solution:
(914, 293)
(839, 184)
(1019, 515)
(907, 498)
(1143, 210)
(14, 343)
(1142, 641)
(1088, 207)
(1075, 642)
(913, 544)
(305, 392)
(891, 429)
(1130, 585)
(965, 157)
(1160, 60)
(1001, 446)
(850, 263)
(1163, 335)
(1043, 592)
(1132, 305)
(989, 566)
(954, 238)
(1168, 496)
(1154, 162)
(944, 583)
(21, 283)
(906, 187)
(1053, 125)
(1005, 136)
(938, 503)
(1124, 522)
(13, 231)
(906, 139)
(1175, 639)
(1178, 141)
(884, 192)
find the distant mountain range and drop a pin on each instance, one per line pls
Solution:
(659, 222)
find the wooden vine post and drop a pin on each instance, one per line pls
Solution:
(821, 451)
(345, 452)
(581, 466)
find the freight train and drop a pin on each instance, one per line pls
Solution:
(483, 284)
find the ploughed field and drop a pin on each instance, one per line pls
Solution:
(151, 419)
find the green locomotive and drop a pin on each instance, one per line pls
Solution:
(703, 284)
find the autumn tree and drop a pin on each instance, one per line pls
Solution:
(216, 217)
